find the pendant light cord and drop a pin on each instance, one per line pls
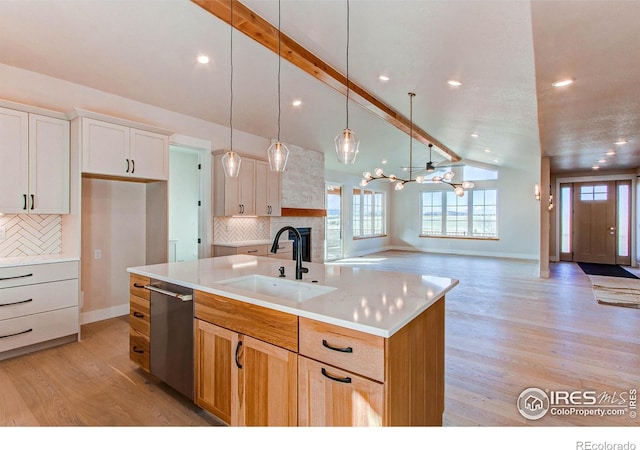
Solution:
(347, 106)
(231, 82)
(279, 60)
(411, 95)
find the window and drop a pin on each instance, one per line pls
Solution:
(368, 213)
(446, 214)
(593, 193)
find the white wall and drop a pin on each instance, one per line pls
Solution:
(518, 220)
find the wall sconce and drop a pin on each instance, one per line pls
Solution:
(536, 191)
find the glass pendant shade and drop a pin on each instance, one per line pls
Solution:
(278, 154)
(347, 146)
(231, 164)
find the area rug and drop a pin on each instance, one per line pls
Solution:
(607, 270)
(616, 291)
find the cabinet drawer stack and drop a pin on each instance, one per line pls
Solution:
(139, 323)
(38, 303)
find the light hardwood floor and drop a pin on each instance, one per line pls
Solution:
(506, 330)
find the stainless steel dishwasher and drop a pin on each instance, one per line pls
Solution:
(171, 335)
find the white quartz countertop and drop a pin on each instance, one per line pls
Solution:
(372, 301)
(13, 261)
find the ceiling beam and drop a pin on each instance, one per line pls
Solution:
(258, 29)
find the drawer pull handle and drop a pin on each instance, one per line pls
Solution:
(24, 201)
(135, 349)
(336, 349)
(237, 353)
(16, 277)
(138, 315)
(16, 303)
(17, 334)
(252, 251)
(33, 201)
(140, 286)
(334, 378)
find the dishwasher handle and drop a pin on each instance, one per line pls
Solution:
(183, 297)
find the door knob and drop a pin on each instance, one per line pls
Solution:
(612, 231)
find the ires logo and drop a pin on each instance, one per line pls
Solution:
(534, 403)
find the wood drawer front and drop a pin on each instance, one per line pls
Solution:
(266, 324)
(139, 349)
(136, 283)
(24, 300)
(139, 314)
(366, 357)
(255, 250)
(37, 273)
(14, 333)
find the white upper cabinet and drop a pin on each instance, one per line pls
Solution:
(267, 190)
(34, 174)
(111, 149)
(235, 196)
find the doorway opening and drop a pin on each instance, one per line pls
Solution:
(595, 222)
(333, 248)
(184, 204)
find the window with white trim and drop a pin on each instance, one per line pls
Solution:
(474, 215)
(369, 211)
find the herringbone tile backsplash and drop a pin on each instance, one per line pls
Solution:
(232, 229)
(31, 234)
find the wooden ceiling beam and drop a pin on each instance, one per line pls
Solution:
(261, 31)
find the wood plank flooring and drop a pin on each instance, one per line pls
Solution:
(506, 330)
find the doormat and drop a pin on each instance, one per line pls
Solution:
(616, 291)
(606, 270)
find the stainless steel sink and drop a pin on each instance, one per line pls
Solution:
(277, 287)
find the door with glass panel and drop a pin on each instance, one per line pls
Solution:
(595, 222)
(333, 223)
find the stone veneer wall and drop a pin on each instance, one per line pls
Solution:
(303, 187)
(31, 234)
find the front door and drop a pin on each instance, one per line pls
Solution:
(594, 222)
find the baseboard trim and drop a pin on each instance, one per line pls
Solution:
(466, 253)
(103, 314)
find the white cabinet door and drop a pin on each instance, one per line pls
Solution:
(248, 187)
(149, 154)
(48, 165)
(105, 148)
(14, 154)
(267, 190)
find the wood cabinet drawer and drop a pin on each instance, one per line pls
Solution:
(266, 324)
(139, 314)
(37, 273)
(136, 286)
(254, 250)
(139, 349)
(351, 350)
(24, 300)
(34, 328)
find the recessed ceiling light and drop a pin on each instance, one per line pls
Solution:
(602, 161)
(496, 160)
(487, 150)
(384, 161)
(454, 82)
(610, 152)
(474, 135)
(297, 102)
(595, 167)
(562, 83)
(203, 59)
(384, 78)
(621, 142)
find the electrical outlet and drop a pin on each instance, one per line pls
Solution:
(3, 233)
(97, 254)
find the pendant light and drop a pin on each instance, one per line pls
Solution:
(347, 142)
(231, 160)
(278, 153)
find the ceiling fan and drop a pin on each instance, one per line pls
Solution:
(430, 166)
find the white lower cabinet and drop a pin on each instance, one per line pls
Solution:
(38, 303)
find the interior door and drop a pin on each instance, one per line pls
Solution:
(594, 220)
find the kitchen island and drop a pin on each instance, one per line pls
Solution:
(343, 346)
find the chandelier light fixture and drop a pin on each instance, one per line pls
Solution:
(347, 142)
(231, 160)
(278, 153)
(446, 178)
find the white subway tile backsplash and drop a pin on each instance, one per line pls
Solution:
(230, 229)
(32, 234)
